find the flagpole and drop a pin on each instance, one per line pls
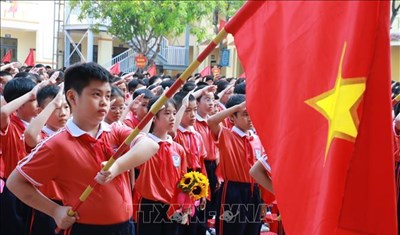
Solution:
(154, 109)
(396, 100)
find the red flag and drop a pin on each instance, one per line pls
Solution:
(206, 71)
(152, 70)
(318, 77)
(7, 57)
(115, 69)
(30, 59)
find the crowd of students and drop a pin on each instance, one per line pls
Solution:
(59, 127)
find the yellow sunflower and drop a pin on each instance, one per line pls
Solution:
(202, 178)
(197, 192)
(186, 181)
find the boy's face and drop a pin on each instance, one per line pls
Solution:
(3, 82)
(92, 105)
(206, 103)
(29, 109)
(165, 119)
(242, 120)
(142, 109)
(59, 117)
(189, 116)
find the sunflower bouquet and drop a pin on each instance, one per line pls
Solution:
(193, 186)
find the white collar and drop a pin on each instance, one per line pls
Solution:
(241, 133)
(200, 119)
(75, 131)
(189, 129)
(26, 124)
(48, 131)
(158, 140)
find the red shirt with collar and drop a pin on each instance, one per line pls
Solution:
(234, 164)
(50, 189)
(131, 120)
(194, 157)
(201, 126)
(159, 176)
(12, 144)
(69, 159)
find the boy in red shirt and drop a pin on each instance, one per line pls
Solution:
(21, 107)
(239, 197)
(72, 157)
(53, 116)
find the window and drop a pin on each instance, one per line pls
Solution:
(9, 44)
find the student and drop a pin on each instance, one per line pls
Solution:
(117, 106)
(135, 116)
(21, 107)
(239, 148)
(54, 113)
(193, 145)
(72, 157)
(205, 104)
(158, 177)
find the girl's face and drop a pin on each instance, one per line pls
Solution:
(164, 121)
(189, 116)
(116, 110)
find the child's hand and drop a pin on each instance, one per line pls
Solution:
(185, 101)
(60, 98)
(242, 106)
(210, 88)
(134, 104)
(62, 219)
(103, 177)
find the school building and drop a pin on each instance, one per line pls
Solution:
(60, 39)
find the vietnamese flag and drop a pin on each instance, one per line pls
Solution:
(7, 57)
(30, 59)
(115, 69)
(318, 93)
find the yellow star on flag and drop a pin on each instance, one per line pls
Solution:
(339, 106)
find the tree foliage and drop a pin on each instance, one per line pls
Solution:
(143, 23)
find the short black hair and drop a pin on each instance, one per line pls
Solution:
(4, 73)
(240, 89)
(132, 85)
(49, 91)
(78, 76)
(235, 100)
(221, 85)
(17, 87)
(166, 83)
(178, 98)
(115, 91)
(188, 86)
(153, 79)
(147, 93)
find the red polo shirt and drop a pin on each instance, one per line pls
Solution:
(12, 144)
(69, 159)
(192, 143)
(159, 176)
(201, 126)
(236, 158)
